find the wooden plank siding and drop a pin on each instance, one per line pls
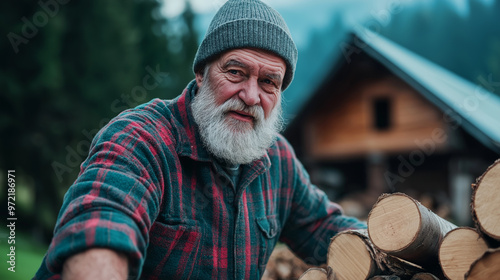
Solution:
(344, 126)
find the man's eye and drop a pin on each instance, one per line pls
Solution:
(268, 82)
(234, 72)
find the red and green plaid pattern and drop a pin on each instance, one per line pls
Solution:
(149, 189)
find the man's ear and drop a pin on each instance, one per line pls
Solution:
(199, 78)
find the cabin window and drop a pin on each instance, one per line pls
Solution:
(382, 113)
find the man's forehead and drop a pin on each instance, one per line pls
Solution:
(248, 57)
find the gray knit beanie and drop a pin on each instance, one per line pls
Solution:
(248, 24)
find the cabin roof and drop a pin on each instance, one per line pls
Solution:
(475, 108)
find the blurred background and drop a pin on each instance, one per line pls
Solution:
(388, 95)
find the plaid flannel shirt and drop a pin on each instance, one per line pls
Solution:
(151, 190)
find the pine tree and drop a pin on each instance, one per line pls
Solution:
(67, 70)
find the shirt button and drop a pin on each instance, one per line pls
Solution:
(230, 196)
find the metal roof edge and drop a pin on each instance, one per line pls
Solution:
(363, 42)
(335, 59)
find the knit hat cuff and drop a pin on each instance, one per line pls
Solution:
(250, 33)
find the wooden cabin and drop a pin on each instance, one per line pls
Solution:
(385, 119)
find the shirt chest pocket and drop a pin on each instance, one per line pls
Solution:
(268, 226)
(269, 233)
(172, 251)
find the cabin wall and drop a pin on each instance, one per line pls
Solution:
(366, 132)
(347, 126)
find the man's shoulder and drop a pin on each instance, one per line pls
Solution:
(282, 142)
(282, 148)
(156, 109)
(156, 117)
(154, 114)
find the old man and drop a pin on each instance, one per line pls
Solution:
(202, 186)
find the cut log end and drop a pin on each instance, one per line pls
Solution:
(486, 267)
(485, 203)
(385, 222)
(349, 257)
(459, 249)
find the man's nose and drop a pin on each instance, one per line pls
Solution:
(250, 93)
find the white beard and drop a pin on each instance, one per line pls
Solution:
(229, 139)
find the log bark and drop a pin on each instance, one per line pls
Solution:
(459, 249)
(352, 255)
(486, 267)
(485, 201)
(400, 226)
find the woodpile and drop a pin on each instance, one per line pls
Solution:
(402, 227)
(407, 241)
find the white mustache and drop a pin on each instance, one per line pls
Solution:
(235, 104)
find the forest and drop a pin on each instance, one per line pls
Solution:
(67, 68)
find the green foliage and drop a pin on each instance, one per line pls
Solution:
(66, 70)
(465, 43)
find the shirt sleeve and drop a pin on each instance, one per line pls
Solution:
(116, 196)
(313, 219)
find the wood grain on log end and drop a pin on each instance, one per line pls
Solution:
(486, 267)
(393, 222)
(485, 201)
(350, 256)
(459, 249)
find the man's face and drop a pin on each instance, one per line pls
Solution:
(251, 75)
(238, 105)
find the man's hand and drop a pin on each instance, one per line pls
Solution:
(96, 264)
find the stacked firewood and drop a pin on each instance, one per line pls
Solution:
(406, 240)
